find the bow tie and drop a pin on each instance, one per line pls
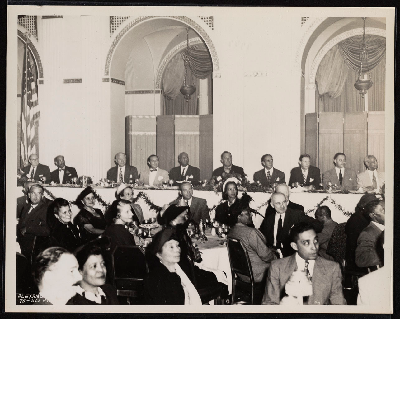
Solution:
(61, 169)
(153, 169)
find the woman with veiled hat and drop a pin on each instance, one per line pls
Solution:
(89, 219)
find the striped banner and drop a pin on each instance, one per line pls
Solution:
(30, 109)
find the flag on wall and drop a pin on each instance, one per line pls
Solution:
(30, 108)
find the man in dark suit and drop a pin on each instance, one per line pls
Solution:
(285, 190)
(277, 226)
(321, 280)
(32, 229)
(185, 172)
(305, 174)
(62, 174)
(323, 214)
(268, 175)
(198, 207)
(122, 172)
(227, 166)
(23, 200)
(340, 177)
(367, 256)
(35, 171)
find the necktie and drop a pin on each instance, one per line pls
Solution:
(374, 184)
(307, 271)
(153, 169)
(279, 233)
(340, 177)
(121, 177)
(268, 177)
(304, 178)
(33, 172)
(183, 172)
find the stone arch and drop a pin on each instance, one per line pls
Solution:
(131, 23)
(33, 44)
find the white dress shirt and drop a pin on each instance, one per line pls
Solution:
(277, 215)
(152, 176)
(371, 176)
(271, 171)
(301, 264)
(184, 170)
(61, 174)
(338, 170)
(119, 173)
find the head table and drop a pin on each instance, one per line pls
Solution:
(341, 205)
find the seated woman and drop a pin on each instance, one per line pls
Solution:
(223, 212)
(167, 283)
(55, 272)
(177, 216)
(63, 232)
(92, 289)
(119, 217)
(125, 192)
(90, 220)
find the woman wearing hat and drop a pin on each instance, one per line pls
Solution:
(90, 220)
(119, 217)
(125, 192)
(167, 283)
(92, 289)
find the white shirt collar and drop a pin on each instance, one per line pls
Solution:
(189, 202)
(90, 295)
(339, 169)
(271, 171)
(301, 264)
(277, 216)
(380, 226)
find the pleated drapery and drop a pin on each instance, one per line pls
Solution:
(199, 66)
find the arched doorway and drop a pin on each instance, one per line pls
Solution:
(342, 121)
(142, 119)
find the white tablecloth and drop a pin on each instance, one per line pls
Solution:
(347, 202)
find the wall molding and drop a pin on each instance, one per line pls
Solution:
(75, 80)
(32, 46)
(117, 81)
(156, 91)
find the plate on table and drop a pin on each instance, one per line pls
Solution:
(150, 226)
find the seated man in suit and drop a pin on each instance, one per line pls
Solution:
(185, 172)
(35, 171)
(254, 242)
(62, 174)
(305, 174)
(276, 227)
(371, 180)
(268, 175)
(198, 207)
(154, 176)
(341, 177)
(285, 190)
(23, 200)
(122, 172)
(32, 229)
(367, 256)
(323, 214)
(227, 167)
(304, 277)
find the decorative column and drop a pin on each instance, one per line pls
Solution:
(203, 97)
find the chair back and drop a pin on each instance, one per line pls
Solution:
(129, 262)
(239, 259)
(337, 244)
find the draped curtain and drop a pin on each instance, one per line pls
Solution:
(338, 71)
(199, 66)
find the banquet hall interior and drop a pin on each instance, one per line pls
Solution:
(264, 82)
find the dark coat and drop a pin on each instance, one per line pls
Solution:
(291, 217)
(271, 210)
(276, 177)
(313, 177)
(366, 251)
(66, 236)
(354, 226)
(131, 174)
(234, 169)
(119, 236)
(198, 209)
(175, 174)
(110, 299)
(83, 218)
(224, 213)
(41, 170)
(37, 230)
(69, 173)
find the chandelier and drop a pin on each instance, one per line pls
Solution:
(187, 90)
(363, 84)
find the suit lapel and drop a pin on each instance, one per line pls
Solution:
(288, 270)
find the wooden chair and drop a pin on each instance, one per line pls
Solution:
(129, 270)
(241, 269)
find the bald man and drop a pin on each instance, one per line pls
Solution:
(35, 171)
(122, 172)
(184, 172)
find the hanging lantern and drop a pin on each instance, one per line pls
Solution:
(363, 84)
(187, 90)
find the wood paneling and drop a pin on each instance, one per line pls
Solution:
(376, 137)
(355, 140)
(206, 146)
(166, 141)
(330, 138)
(311, 137)
(187, 137)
